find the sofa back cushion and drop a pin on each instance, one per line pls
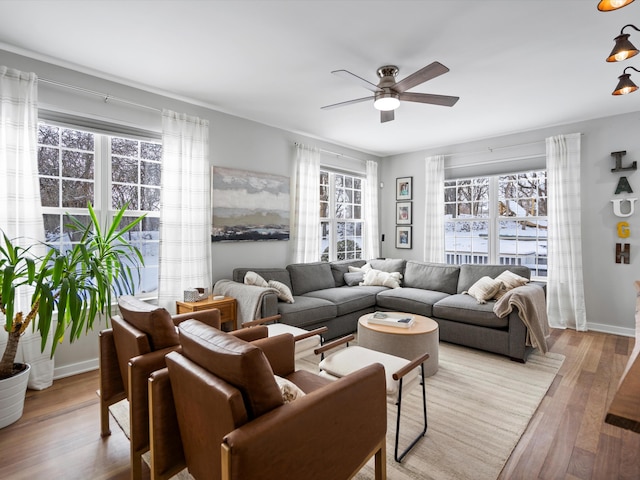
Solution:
(439, 277)
(278, 274)
(307, 277)
(388, 264)
(470, 273)
(340, 267)
(235, 361)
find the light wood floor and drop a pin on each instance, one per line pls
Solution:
(58, 435)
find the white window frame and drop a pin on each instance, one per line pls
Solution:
(333, 221)
(493, 219)
(102, 182)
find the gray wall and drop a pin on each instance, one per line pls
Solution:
(235, 142)
(248, 145)
(609, 291)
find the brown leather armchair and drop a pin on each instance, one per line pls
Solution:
(234, 423)
(134, 347)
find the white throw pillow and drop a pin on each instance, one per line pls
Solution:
(365, 268)
(290, 391)
(384, 279)
(252, 278)
(282, 291)
(509, 281)
(484, 289)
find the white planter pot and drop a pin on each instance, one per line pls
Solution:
(12, 393)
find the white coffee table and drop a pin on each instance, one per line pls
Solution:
(407, 343)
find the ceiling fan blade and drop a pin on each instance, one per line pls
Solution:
(427, 73)
(348, 102)
(444, 100)
(386, 116)
(352, 76)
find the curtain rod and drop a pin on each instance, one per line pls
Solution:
(106, 97)
(500, 160)
(329, 152)
(493, 149)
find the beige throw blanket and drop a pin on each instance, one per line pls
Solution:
(248, 298)
(532, 310)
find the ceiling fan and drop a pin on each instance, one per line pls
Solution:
(388, 94)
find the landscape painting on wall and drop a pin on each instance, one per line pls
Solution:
(249, 206)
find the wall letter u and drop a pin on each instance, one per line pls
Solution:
(617, 210)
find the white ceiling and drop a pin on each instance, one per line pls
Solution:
(515, 64)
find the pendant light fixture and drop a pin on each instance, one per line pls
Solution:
(625, 85)
(623, 48)
(610, 5)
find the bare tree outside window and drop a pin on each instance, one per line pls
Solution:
(519, 221)
(71, 164)
(340, 233)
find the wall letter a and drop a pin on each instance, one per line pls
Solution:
(623, 186)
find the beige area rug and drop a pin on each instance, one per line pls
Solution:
(478, 407)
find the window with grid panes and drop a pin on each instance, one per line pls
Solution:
(341, 221)
(77, 166)
(498, 219)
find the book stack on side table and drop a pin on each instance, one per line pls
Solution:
(391, 319)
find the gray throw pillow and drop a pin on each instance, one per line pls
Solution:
(353, 278)
(388, 264)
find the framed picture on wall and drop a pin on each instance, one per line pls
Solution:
(404, 188)
(403, 213)
(403, 237)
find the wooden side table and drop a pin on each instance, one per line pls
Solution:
(227, 307)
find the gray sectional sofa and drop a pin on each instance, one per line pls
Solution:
(322, 297)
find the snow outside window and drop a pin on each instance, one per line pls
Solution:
(498, 220)
(341, 222)
(78, 166)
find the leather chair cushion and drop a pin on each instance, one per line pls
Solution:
(235, 361)
(155, 322)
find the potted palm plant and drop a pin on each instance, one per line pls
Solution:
(68, 291)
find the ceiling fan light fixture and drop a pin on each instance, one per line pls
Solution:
(610, 5)
(386, 101)
(625, 85)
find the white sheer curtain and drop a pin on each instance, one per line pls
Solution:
(20, 206)
(434, 209)
(371, 232)
(305, 228)
(565, 287)
(185, 208)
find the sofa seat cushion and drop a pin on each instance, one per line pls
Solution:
(306, 311)
(348, 299)
(465, 309)
(412, 300)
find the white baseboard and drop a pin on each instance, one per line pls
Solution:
(75, 368)
(599, 327)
